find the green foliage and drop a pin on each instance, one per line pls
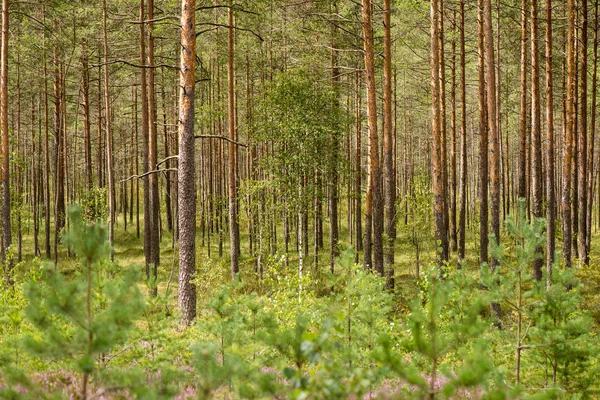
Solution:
(94, 203)
(446, 347)
(301, 119)
(81, 320)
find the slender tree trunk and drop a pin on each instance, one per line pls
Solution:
(550, 195)
(441, 233)
(187, 167)
(374, 202)
(590, 188)
(46, 150)
(388, 147)
(234, 225)
(483, 145)
(568, 145)
(582, 158)
(536, 132)
(109, 141)
(522, 191)
(85, 88)
(463, 141)
(154, 204)
(6, 228)
(145, 140)
(452, 177)
(60, 160)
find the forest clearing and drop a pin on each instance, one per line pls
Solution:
(303, 199)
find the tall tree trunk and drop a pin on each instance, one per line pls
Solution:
(7, 262)
(333, 181)
(59, 221)
(452, 177)
(109, 141)
(463, 141)
(187, 168)
(85, 89)
(536, 132)
(494, 154)
(568, 145)
(590, 188)
(234, 226)
(154, 205)
(582, 158)
(46, 150)
(483, 145)
(550, 195)
(522, 191)
(374, 202)
(441, 232)
(388, 146)
(145, 140)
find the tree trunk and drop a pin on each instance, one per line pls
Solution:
(374, 202)
(234, 226)
(568, 145)
(550, 195)
(582, 157)
(522, 192)
(388, 147)
(109, 142)
(187, 167)
(536, 133)
(6, 229)
(154, 204)
(441, 233)
(59, 221)
(463, 141)
(85, 89)
(483, 145)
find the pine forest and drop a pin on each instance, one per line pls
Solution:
(299, 199)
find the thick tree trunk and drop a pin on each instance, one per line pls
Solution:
(187, 167)
(374, 202)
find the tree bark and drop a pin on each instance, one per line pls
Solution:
(187, 168)
(462, 225)
(374, 202)
(109, 141)
(483, 145)
(582, 158)
(234, 226)
(550, 194)
(536, 132)
(441, 232)
(388, 147)
(522, 192)
(6, 227)
(568, 145)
